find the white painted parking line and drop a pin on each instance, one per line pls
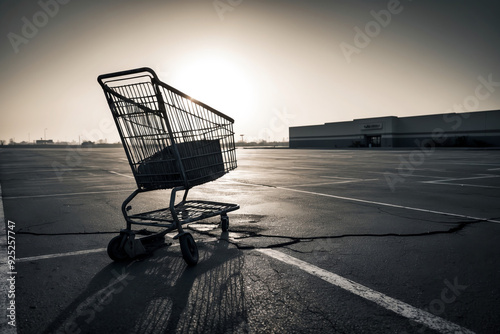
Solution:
(445, 181)
(415, 314)
(57, 255)
(462, 185)
(424, 169)
(392, 205)
(483, 176)
(302, 168)
(442, 213)
(339, 177)
(124, 175)
(68, 194)
(467, 163)
(424, 176)
(412, 175)
(334, 182)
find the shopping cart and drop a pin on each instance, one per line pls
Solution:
(172, 142)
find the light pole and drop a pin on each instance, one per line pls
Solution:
(45, 134)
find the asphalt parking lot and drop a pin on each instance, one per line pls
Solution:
(325, 241)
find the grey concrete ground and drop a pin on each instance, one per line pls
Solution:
(416, 227)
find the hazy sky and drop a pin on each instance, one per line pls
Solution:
(268, 64)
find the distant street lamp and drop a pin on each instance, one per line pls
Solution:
(45, 134)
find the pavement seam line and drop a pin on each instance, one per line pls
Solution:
(403, 309)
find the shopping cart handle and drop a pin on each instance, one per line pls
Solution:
(156, 81)
(102, 77)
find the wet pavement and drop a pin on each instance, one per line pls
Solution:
(417, 228)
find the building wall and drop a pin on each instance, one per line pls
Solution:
(475, 129)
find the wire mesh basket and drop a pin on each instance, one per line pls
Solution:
(170, 139)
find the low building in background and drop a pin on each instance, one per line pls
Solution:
(473, 129)
(44, 142)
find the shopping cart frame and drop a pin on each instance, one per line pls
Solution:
(150, 108)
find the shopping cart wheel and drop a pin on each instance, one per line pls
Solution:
(115, 249)
(224, 223)
(189, 249)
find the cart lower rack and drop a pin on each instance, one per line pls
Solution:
(172, 142)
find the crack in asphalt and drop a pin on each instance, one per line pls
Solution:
(294, 240)
(290, 239)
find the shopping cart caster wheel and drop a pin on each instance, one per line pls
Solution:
(115, 249)
(224, 223)
(189, 249)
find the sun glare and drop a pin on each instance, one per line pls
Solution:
(219, 83)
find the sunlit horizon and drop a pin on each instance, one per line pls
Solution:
(267, 65)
